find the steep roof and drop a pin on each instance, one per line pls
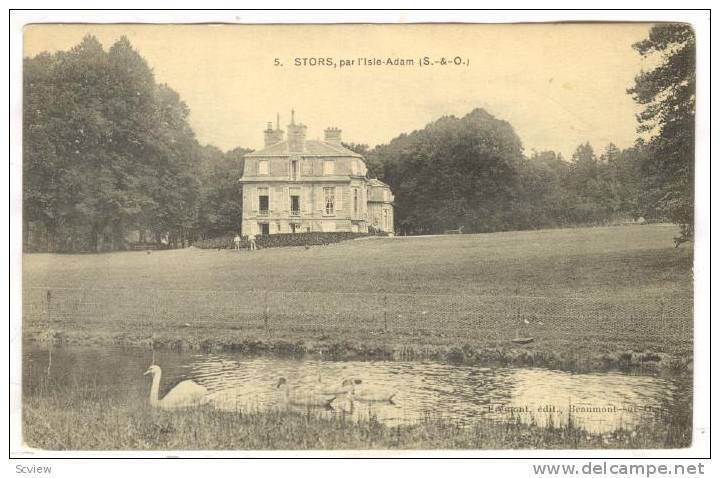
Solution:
(310, 148)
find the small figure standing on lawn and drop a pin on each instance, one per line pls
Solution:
(251, 240)
(236, 240)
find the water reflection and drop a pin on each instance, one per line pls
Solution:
(598, 402)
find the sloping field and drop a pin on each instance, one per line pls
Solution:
(627, 260)
(602, 295)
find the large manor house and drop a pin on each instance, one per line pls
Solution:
(302, 185)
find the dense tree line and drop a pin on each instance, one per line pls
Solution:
(472, 172)
(107, 151)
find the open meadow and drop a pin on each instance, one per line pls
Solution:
(627, 261)
(592, 298)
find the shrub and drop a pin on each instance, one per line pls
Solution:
(374, 231)
(282, 240)
(222, 242)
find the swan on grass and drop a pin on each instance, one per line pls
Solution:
(304, 397)
(184, 394)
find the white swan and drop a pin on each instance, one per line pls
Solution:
(304, 397)
(184, 394)
(364, 393)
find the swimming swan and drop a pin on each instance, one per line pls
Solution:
(322, 388)
(304, 397)
(184, 394)
(364, 393)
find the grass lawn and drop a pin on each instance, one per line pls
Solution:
(622, 260)
(613, 265)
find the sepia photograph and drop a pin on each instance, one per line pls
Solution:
(369, 237)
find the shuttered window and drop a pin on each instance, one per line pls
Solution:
(263, 201)
(329, 194)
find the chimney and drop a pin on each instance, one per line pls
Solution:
(273, 136)
(333, 135)
(296, 135)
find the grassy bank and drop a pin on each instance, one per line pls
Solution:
(573, 356)
(83, 421)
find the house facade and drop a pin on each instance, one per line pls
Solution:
(380, 205)
(298, 185)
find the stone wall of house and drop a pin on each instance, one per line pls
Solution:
(303, 168)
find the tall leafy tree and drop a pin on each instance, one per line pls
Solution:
(106, 149)
(63, 130)
(610, 153)
(667, 93)
(543, 197)
(585, 183)
(221, 199)
(454, 172)
(42, 162)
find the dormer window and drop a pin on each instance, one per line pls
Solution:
(263, 167)
(329, 167)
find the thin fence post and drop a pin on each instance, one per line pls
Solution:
(194, 312)
(154, 298)
(153, 320)
(50, 337)
(266, 312)
(662, 313)
(385, 325)
(48, 300)
(662, 310)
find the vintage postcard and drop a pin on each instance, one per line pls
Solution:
(368, 237)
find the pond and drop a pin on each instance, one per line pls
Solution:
(597, 402)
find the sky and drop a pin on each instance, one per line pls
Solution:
(558, 85)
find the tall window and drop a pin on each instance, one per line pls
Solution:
(355, 200)
(294, 169)
(328, 167)
(263, 201)
(329, 200)
(262, 166)
(294, 205)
